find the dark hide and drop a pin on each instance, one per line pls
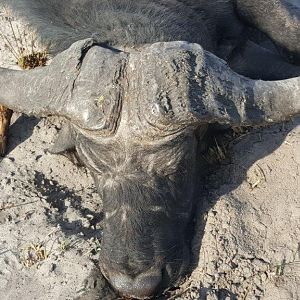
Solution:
(213, 24)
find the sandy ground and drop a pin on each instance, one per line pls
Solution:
(247, 242)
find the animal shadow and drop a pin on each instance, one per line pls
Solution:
(56, 196)
(20, 131)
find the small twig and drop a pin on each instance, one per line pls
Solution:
(25, 39)
(16, 205)
(21, 40)
(10, 46)
(14, 34)
(180, 293)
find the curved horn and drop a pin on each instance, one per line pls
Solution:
(68, 87)
(40, 91)
(190, 86)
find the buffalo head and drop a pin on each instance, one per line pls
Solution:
(132, 117)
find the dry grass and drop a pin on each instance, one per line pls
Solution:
(217, 152)
(33, 60)
(284, 268)
(33, 254)
(94, 247)
(65, 245)
(22, 46)
(256, 177)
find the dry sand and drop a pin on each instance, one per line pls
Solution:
(247, 233)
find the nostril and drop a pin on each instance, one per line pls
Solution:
(142, 286)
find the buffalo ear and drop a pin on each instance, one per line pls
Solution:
(65, 140)
(65, 144)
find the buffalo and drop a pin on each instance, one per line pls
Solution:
(139, 83)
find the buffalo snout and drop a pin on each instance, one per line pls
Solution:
(145, 241)
(143, 286)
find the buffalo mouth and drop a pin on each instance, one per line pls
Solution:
(149, 283)
(143, 286)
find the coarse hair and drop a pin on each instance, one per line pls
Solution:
(118, 23)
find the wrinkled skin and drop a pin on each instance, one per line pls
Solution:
(149, 176)
(137, 112)
(138, 182)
